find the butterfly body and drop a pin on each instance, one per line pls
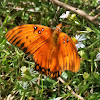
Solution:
(53, 51)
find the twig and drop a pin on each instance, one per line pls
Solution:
(93, 44)
(70, 89)
(91, 91)
(11, 96)
(38, 82)
(96, 16)
(94, 10)
(76, 10)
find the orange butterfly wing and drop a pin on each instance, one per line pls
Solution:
(53, 51)
(68, 57)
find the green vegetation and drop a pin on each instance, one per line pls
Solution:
(14, 63)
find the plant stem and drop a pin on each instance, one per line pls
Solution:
(92, 64)
(93, 44)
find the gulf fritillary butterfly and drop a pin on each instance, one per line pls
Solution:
(53, 51)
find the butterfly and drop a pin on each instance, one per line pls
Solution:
(53, 51)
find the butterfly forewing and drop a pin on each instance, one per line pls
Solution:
(28, 36)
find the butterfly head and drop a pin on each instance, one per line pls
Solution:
(57, 30)
(58, 27)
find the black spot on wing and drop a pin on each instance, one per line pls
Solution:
(48, 72)
(26, 37)
(35, 28)
(37, 67)
(56, 74)
(43, 70)
(63, 42)
(39, 32)
(22, 45)
(67, 40)
(17, 42)
(15, 39)
(25, 49)
(42, 29)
